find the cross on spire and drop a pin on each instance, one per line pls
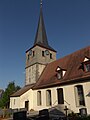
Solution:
(41, 3)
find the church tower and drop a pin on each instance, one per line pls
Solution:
(40, 54)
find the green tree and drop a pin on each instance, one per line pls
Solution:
(5, 100)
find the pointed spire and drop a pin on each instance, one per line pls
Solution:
(41, 37)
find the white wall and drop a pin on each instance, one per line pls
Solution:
(20, 101)
(28, 96)
(87, 98)
(69, 98)
(14, 102)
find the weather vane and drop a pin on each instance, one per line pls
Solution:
(41, 3)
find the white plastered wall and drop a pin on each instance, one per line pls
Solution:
(28, 96)
(14, 102)
(69, 97)
(20, 101)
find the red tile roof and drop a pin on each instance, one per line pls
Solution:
(71, 63)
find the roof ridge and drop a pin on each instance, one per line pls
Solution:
(82, 49)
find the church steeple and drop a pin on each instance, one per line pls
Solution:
(41, 36)
(38, 56)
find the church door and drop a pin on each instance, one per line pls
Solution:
(27, 105)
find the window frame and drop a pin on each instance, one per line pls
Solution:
(14, 101)
(87, 68)
(50, 55)
(43, 54)
(39, 98)
(59, 73)
(33, 53)
(60, 96)
(28, 57)
(79, 95)
(48, 98)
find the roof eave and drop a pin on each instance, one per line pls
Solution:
(64, 82)
(42, 47)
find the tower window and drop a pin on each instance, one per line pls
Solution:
(28, 57)
(43, 53)
(50, 55)
(30, 52)
(33, 53)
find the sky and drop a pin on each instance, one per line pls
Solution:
(67, 24)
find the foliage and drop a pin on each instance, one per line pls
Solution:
(75, 116)
(11, 88)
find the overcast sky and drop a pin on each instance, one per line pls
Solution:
(67, 25)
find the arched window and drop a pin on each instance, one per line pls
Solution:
(48, 97)
(60, 96)
(50, 55)
(43, 53)
(33, 53)
(14, 101)
(39, 98)
(79, 95)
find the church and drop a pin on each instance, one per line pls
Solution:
(51, 83)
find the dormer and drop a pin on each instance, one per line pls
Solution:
(60, 72)
(86, 59)
(86, 64)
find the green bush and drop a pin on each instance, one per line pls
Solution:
(76, 117)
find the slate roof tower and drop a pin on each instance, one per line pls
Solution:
(39, 54)
(41, 36)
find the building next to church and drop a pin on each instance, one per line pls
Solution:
(54, 84)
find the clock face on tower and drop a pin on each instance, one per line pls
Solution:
(30, 52)
(46, 52)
